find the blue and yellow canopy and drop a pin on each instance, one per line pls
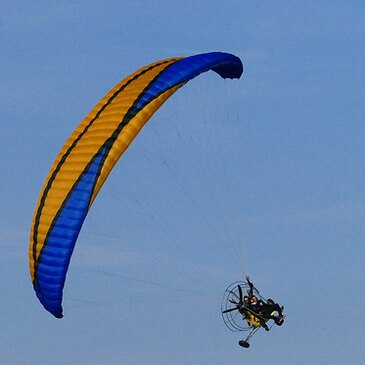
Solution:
(88, 156)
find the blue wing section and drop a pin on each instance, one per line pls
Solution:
(56, 255)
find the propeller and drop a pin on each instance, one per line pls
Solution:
(238, 304)
(240, 292)
(230, 310)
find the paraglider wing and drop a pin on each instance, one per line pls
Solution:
(88, 156)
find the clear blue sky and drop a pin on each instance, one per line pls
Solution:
(263, 176)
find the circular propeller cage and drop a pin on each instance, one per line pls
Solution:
(232, 318)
